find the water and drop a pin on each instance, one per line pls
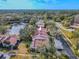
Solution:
(15, 28)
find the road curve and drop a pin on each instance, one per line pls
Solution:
(66, 47)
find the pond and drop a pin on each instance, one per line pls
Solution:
(15, 28)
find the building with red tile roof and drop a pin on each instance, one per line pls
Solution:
(40, 38)
(8, 40)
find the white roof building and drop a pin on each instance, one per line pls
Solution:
(58, 44)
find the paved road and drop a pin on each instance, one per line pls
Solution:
(66, 47)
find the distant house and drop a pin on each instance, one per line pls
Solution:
(8, 41)
(40, 38)
(75, 22)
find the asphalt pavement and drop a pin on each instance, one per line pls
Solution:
(66, 47)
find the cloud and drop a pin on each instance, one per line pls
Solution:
(45, 1)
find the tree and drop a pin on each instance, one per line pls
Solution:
(50, 25)
(2, 29)
(76, 37)
(33, 21)
(26, 33)
(75, 34)
(63, 56)
(67, 21)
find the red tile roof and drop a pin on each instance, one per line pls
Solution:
(13, 40)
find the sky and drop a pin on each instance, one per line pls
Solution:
(39, 4)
